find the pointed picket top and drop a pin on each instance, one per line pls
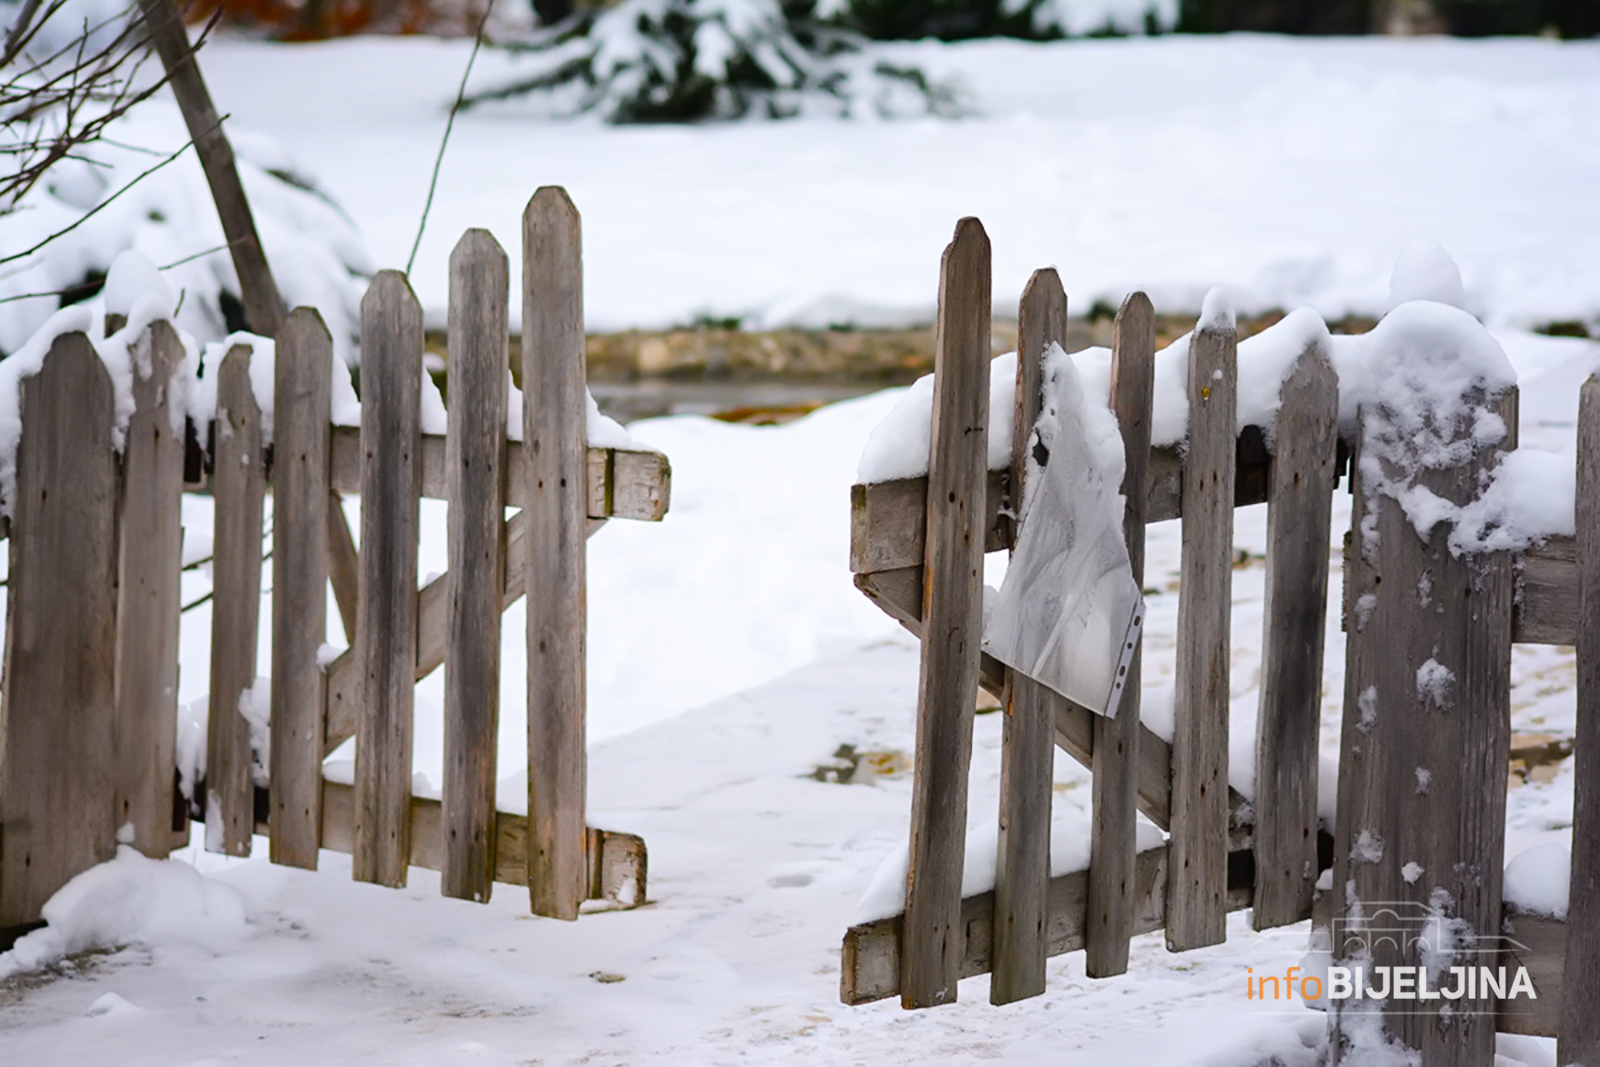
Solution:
(477, 245)
(390, 294)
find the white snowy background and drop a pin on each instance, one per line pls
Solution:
(729, 653)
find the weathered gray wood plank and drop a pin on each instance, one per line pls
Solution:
(1426, 731)
(618, 863)
(58, 757)
(554, 439)
(386, 639)
(1198, 883)
(622, 483)
(889, 522)
(1116, 755)
(870, 964)
(953, 619)
(1547, 594)
(1542, 942)
(1027, 758)
(888, 527)
(1294, 612)
(1579, 1040)
(259, 293)
(148, 598)
(239, 488)
(479, 348)
(301, 420)
(344, 568)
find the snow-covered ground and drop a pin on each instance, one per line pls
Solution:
(1291, 171)
(729, 654)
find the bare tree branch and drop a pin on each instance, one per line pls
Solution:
(55, 105)
(102, 205)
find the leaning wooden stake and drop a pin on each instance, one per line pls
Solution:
(555, 441)
(148, 598)
(1291, 661)
(1197, 876)
(1027, 756)
(386, 638)
(301, 423)
(57, 727)
(475, 468)
(1579, 1040)
(930, 961)
(239, 490)
(263, 308)
(1109, 923)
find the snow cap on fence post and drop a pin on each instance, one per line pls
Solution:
(1425, 739)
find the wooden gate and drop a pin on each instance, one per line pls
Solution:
(88, 720)
(917, 548)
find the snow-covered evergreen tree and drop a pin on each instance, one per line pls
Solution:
(689, 60)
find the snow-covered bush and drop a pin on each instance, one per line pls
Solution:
(68, 228)
(689, 60)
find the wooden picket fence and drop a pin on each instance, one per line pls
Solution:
(917, 551)
(87, 723)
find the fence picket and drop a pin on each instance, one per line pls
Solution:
(302, 418)
(57, 736)
(1295, 609)
(1579, 1040)
(555, 445)
(238, 489)
(476, 451)
(1027, 758)
(148, 598)
(1197, 879)
(930, 960)
(1109, 922)
(1426, 732)
(386, 637)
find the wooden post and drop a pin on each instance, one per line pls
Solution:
(934, 940)
(301, 423)
(476, 463)
(1197, 876)
(263, 309)
(1114, 834)
(386, 638)
(151, 552)
(1426, 732)
(1579, 1040)
(1291, 662)
(239, 487)
(58, 760)
(555, 441)
(1027, 756)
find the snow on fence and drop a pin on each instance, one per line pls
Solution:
(1430, 622)
(88, 719)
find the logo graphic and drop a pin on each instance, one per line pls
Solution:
(1447, 962)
